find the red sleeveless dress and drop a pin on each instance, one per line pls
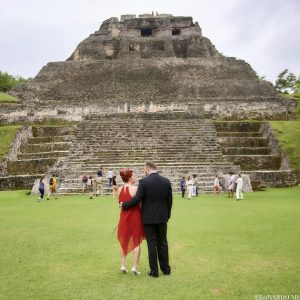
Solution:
(130, 228)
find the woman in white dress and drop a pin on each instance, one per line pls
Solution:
(239, 188)
(189, 185)
(231, 185)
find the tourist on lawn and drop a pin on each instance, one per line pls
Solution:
(182, 186)
(84, 180)
(52, 187)
(114, 186)
(231, 184)
(217, 187)
(99, 183)
(239, 188)
(189, 185)
(90, 187)
(195, 185)
(130, 227)
(222, 183)
(41, 188)
(110, 175)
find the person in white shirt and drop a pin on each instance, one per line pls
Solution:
(239, 188)
(231, 185)
(110, 175)
(189, 185)
(195, 187)
(217, 187)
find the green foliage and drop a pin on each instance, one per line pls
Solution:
(7, 134)
(7, 82)
(219, 248)
(5, 98)
(286, 82)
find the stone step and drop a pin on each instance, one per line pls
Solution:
(239, 134)
(143, 137)
(51, 154)
(49, 139)
(256, 162)
(243, 142)
(150, 144)
(147, 145)
(42, 131)
(168, 152)
(143, 127)
(238, 126)
(246, 150)
(16, 182)
(30, 166)
(78, 190)
(158, 159)
(35, 148)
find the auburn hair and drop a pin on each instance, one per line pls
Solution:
(126, 174)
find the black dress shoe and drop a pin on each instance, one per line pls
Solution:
(152, 274)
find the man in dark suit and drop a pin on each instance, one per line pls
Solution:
(155, 193)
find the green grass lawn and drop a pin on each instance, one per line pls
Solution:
(219, 248)
(5, 98)
(7, 134)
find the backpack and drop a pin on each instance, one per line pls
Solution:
(85, 179)
(51, 181)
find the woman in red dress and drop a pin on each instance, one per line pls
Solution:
(130, 228)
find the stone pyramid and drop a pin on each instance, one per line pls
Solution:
(152, 63)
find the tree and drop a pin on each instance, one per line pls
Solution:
(286, 82)
(7, 82)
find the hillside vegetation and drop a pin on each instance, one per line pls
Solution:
(288, 134)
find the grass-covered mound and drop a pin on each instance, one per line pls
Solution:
(219, 248)
(288, 134)
(7, 134)
(5, 98)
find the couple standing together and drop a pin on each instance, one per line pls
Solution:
(145, 212)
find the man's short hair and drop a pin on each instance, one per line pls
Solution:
(151, 165)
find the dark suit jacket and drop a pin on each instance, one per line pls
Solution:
(155, 192)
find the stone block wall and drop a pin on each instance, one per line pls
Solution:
(21, 137)
(224, 109)
(17, 182)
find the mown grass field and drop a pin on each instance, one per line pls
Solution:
(219, 248)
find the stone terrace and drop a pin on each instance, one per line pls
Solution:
(253, 146)
(45, 147)
(180, 144)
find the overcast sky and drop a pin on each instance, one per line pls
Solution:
(265, 33)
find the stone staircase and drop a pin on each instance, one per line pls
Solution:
(46, 147)
(180, 144)
(253, 146)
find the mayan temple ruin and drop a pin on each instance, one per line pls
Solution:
(147, 88)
